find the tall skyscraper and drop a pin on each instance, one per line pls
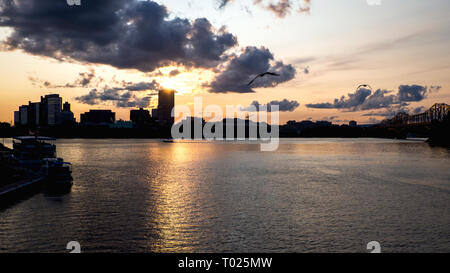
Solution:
(166, 102)
(51, 106)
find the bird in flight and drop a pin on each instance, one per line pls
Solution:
(262, 75)
(363, 85)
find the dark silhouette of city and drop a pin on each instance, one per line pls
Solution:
(53, 118)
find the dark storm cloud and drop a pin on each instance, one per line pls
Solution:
(364, 99)
(126, 95)
(126, 34)
(283, 106)
(243, 68)
(408, 93)
(379, 99)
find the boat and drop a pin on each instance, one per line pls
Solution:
(168, 140)
(30, 150)
(38, 156)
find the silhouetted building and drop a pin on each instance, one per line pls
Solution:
(166, 102)
(16, 118)
(34, 110)
(353, 123)
(323, 123)
(294, 127)
(47, 112)
(23, 110)
(140, 116)
(66, 117)
(97, 117)
(51, 105)
(66, 106)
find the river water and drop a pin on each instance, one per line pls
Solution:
(311, 195)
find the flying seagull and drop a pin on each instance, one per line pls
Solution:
(363, 85)
(262, 75)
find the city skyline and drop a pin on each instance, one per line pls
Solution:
(403, 57)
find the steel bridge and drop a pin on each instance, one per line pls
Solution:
(437, 112)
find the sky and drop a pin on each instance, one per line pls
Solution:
(118, 54)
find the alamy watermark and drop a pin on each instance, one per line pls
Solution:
(238, 123)
(374, 247)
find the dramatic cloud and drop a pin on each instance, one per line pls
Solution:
(353, 100)
(127, 34)
(283, 106)
(122, 96)
(411, 93)
(243, 68)
(364, 99)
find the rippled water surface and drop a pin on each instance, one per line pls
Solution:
(311, 195)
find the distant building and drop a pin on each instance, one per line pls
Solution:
(293, 126)
(353, 123)
(66, 117)
(47, 112)
(66, 107)
(23, 110)
(166, 102)
(51, 105)
(97, 117)
(140, 116)
(16, 118)
(34, 114)
(323, 123)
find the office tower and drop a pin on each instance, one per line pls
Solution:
(51, 105)
(166, 102)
